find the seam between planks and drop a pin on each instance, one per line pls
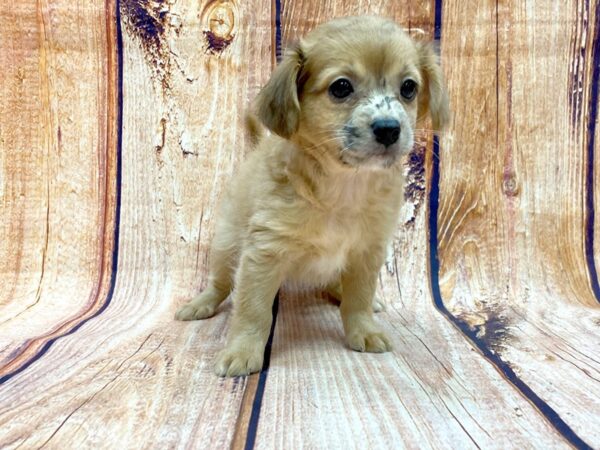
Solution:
(433, 203)
(589, 179)
(114, 140)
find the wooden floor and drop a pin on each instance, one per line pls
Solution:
(120, 123)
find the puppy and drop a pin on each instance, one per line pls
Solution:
(318, 200)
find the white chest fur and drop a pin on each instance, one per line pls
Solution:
(354, 207)
(326, 252)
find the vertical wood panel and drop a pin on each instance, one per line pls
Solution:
(470, 224)
(512, 250)
(545, 57)
(54, 172)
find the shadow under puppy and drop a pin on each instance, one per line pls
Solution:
(317, 201)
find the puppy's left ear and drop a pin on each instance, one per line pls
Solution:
(277, 105)
(434, 97)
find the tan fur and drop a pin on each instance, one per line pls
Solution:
(254, 129)
(295, 211)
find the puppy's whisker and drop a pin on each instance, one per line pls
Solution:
(320, 147)
(329, 130)
(325, 141)
(320, 144)
(335, 132)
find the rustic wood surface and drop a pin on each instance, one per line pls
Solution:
(120, 125)
(512, 253)
(57, 172)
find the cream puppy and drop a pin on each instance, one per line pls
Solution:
(317, 201)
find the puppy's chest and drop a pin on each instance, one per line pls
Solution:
(327, 249)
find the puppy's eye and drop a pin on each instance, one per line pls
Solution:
(341, 88)
(408, 89)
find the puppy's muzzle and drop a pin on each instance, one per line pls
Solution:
(386, 131)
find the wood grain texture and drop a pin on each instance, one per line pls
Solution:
(56, 172)
(545, 141)
(513, 264)
(417, 17)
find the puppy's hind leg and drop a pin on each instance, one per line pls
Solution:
(334, 289)
(218, 288)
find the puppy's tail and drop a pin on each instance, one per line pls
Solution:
(254, 128)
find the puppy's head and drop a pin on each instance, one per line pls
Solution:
(353, 90)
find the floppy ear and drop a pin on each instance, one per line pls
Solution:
(434, 97)
(278, 106)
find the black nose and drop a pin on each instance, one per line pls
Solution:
(386, 131)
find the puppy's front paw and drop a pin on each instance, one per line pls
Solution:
(233, 362)
(192, 312)
(373, 341)
(202, 307)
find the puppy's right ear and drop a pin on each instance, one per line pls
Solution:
(277, 105)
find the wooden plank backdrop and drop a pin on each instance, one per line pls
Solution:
(121, 122)
(58, 172)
